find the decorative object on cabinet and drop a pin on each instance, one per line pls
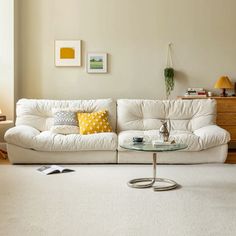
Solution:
(226, 119)
(223, 83)
(169, 73)
(68, 52)
(196, 92)
(209, 94)
(97, 63)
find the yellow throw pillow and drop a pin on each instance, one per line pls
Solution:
(92, 123)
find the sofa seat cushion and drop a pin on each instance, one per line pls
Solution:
(203, 138)
(30, 138)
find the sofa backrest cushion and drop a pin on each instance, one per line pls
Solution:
(147, 114)
(38, 113)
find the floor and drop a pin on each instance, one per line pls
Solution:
(95, 200)
(4, 161)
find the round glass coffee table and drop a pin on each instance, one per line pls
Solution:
(167, 184)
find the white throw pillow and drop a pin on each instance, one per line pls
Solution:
(65, 121)
(65, 129)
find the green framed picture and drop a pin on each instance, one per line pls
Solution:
(97, 63)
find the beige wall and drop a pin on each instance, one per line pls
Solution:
(7, 58)
(135, 34)
(6, 63)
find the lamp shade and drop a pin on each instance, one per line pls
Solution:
(224, 83)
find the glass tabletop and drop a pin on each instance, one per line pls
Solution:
(149, 147)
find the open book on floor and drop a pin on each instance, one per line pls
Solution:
(53, 169)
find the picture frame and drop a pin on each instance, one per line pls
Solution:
(67, 52)
(97, 62)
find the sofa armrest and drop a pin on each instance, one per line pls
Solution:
(21, 135)
(211, 136)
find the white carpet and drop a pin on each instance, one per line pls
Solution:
(96, 201)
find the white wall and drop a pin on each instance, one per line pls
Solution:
(6, 62)
(7, 57)
(135, 34)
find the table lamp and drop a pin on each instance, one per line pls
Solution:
(223, 83)
(2, 118)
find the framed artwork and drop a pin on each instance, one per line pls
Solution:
(68, 53)
(97, 63)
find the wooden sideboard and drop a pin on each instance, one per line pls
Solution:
(226, 118)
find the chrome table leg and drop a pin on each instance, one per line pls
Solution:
(150, 182)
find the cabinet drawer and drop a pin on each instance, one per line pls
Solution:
(226, 119)
(231, 157)
(231, 129)
(226, 105)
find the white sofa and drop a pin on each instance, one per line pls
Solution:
(192, 122)
(30, 141)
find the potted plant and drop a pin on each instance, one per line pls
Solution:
(169, 80)
(169, 73)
